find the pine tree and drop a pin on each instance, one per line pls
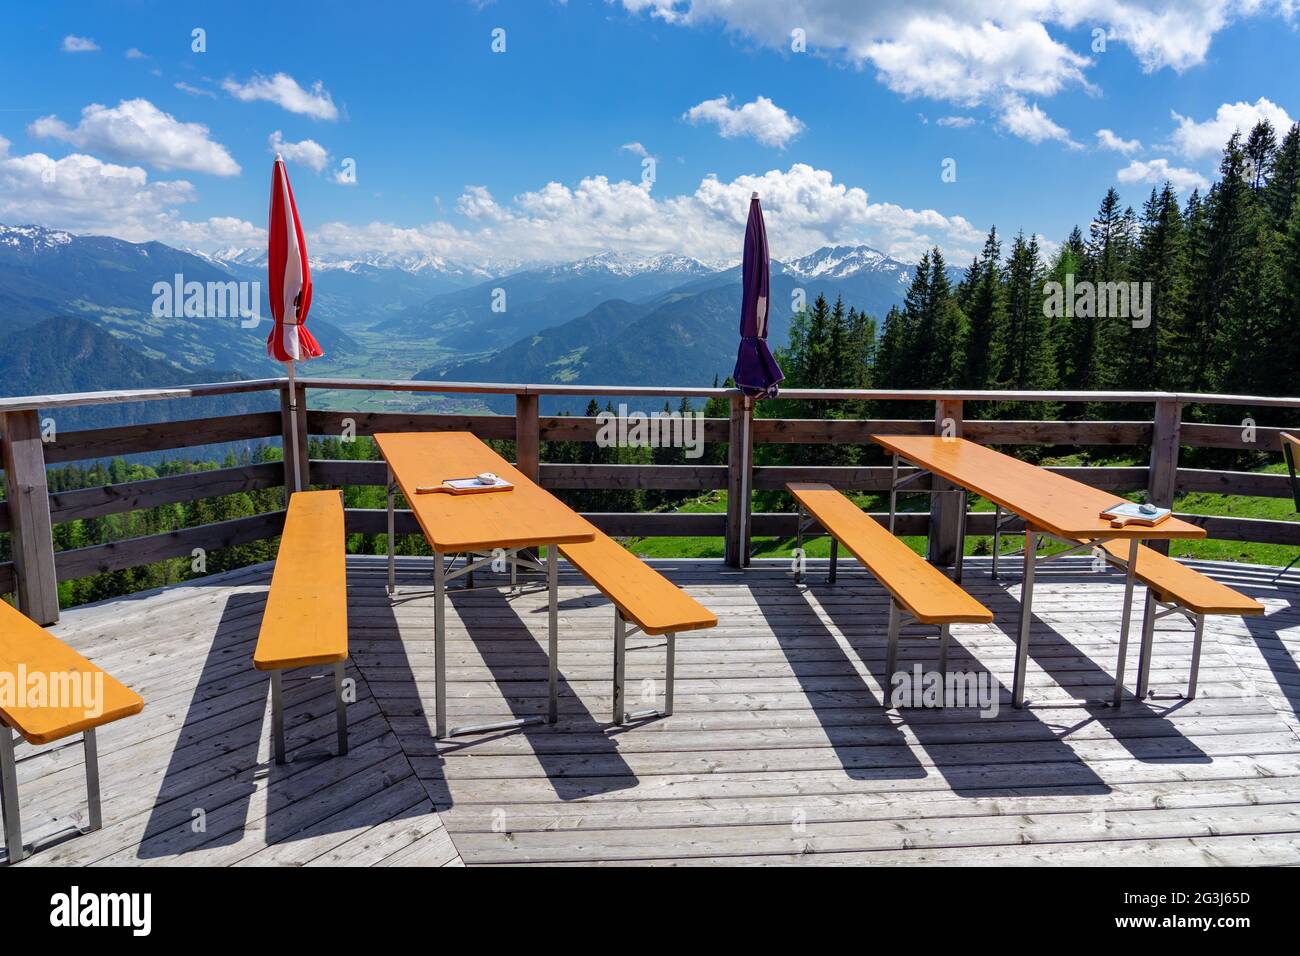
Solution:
(981, 298)
(1284, 184)
(1161, 261)
(1218, 262)
(1259, 149)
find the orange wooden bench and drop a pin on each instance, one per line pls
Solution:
(78, 698)
(1173, 588)
(643, 597)
(306, 617)
(915, 586)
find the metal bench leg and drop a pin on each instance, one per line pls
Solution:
(1130, 579)
(835, 556)
(798, 544)
(1026, 616)
(1196, 656)
(1148, 642)
(277, 716)
(91, 748)
(997, 538)
(891, 656)
(9, 797)
(944, 630)
(620, 660)
(340, 708)
(668, 682)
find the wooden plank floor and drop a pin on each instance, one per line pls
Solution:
(778, 751)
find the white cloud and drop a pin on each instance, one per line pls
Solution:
(194, 90)
(956, 122)
(137, 131)
(82, 192)
(308, 152)
(1158, 170)
(977, 53)
(805, 208)
(761, 119)
(283, 90)
(970, 63)
(1107, 139)
(134, 54)
(76, 44)
(85, 194)
(636, 149)
(1196, 140)
(1031, 123)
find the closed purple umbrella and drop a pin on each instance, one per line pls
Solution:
(757, 373)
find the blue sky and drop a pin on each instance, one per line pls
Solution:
(475, 155)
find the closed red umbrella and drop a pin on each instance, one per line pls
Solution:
(289, 290)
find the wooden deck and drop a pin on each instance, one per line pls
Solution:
(778, 751)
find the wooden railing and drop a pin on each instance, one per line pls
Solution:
(30, 511)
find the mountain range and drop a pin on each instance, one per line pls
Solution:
(609, 318)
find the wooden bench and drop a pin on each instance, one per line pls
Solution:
(306, 617)
(78, 697)
(643, 597)
(915, 586)
(1173, 588)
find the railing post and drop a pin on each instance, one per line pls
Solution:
(29, 517)
(740, 485)
(945, 510)
(287, 431)
(527, 436)
(1162, 479)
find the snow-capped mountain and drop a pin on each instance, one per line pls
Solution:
(32, 238)
(627, 265)
(842, 262)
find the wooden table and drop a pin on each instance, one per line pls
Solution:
(1050, 505)
(485, 528)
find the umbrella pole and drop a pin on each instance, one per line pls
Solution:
(293, 429)
(746, 453)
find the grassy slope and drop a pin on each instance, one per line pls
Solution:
(1279, 509)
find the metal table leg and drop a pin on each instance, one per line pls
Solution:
(964, 502)
(1026, 616)
(392, 546)
(891, 655)
(91, 748)
(893, 492)
(997, 538)
(1148, 639)
(620, 656)
(340, 709)
(277, 717)
(553, 624)
(1196, 656)
(1130, 579)
(9, 797)
(440, 645)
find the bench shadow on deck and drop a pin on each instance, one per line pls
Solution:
(778, 751)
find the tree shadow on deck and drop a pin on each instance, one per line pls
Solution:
(868, 744)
